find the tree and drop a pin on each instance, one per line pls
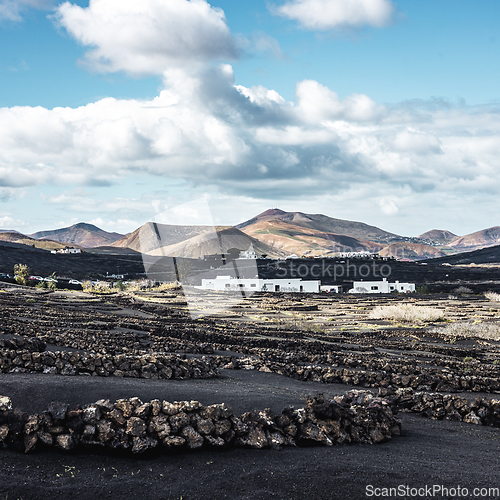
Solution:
(22, 273)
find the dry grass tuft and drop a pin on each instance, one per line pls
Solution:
(469, 329)
(408, 313)
(494, 297)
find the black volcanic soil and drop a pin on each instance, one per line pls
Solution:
(427, 453)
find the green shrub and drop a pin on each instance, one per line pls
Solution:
(22, 273)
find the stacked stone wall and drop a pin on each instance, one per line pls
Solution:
(133, 426)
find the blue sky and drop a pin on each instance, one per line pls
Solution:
(371, 110)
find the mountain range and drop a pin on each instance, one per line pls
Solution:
(274, 232)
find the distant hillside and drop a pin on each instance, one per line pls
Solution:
(190, 241)
(84, 235)
(151, 236)
(414, 251)
(319, 222)
(209, 243)
(109, 250)
(438, 236)
(479, 239)
(22, 239)
(300, 240)
(488, 255)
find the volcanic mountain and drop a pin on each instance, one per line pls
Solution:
(82, 234)
(318, 222)
(480, 239)
(315, 234)
(191, 241)
(438, 236)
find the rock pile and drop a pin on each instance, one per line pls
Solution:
(447, 407)
(131, 425)
(150, 366)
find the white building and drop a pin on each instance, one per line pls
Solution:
(331, 288)
(357, 255)
(67, 250)
(227, 283)
(248, 254)
(381, 287)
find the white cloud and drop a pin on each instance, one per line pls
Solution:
(12, 10)
(8, 222)
(317, 103)
(337, 14)
(388, 206)
(417, 141)
(262, 42)
(148, 36)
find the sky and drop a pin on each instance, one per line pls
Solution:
(379, 111)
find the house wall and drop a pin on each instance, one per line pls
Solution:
(384, 286)
(258, 285)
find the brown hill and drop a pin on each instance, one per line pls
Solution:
(300, 240)
(151, 236)
(190, 241)
(414, 251)
(82, 234)
(438, 236)
(480, 239)
(221, 241)
(22, 239)
(321, 223)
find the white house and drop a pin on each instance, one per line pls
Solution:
(331, 288)
(381, 287)
(228, 283)
(248, 254)
(67, 250)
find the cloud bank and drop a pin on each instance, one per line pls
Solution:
(325, 15)
(148, 36)
(207, 130)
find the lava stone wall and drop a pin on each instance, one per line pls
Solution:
(395, 374)
(437, 406)
(150, 366)
(133, 426)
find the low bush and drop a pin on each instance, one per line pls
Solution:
(494, 297)
(407, 313)
(104, 287)
(469, 329)
(463, 290)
